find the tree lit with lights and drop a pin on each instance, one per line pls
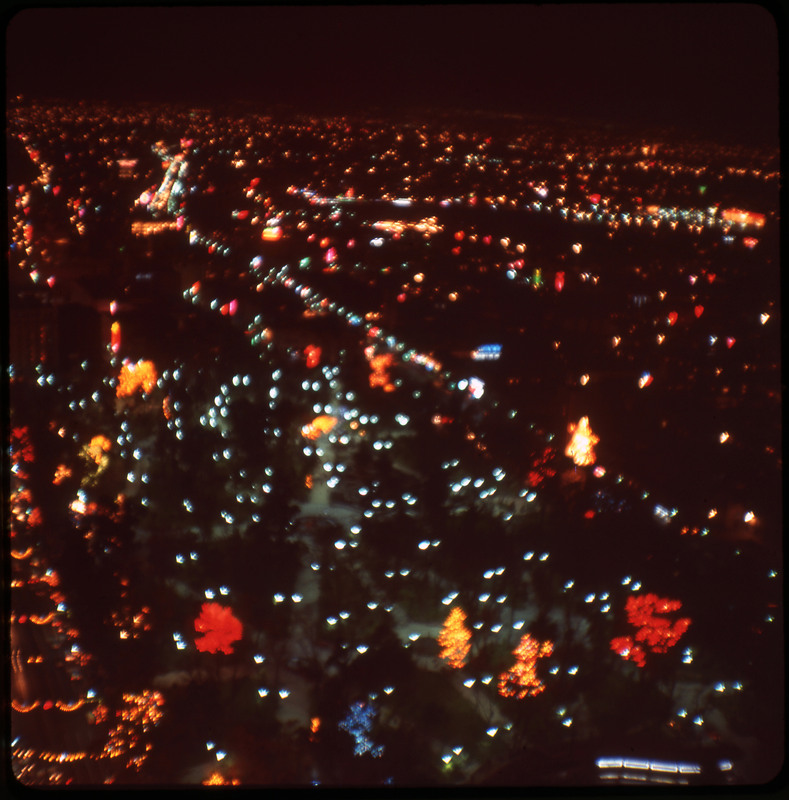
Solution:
(219, 628)
(582, 442)
(455, 639)
(136, 376)
(358, 722)
(656, 633)
(521, 679)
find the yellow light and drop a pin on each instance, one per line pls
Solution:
(581, 445)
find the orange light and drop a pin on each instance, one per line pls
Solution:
(320, 425)
(271, 234)
(521, 679)
(454, 639)
(582, 442)
(136, 376)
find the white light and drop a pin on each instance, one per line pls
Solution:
(263, 692)
(340, 544)
(344, 614)
(223, 590)
(209, 594)
(278, 598)
(491, 731)
(469, 682)
(259, 659)
(528, 556)
(283, 693)
(423, 545)
(296, 598)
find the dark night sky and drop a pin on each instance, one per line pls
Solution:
(711, 67)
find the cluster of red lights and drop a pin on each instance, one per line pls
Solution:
(219, 628)
(541, 467)
(655, 633)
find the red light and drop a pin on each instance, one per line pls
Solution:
(698, 311)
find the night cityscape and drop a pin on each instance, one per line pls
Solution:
(394, 398)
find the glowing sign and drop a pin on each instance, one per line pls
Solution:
(115, 336)
(743, 217)
(487, 352)
(320, 425)
(271, 234)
